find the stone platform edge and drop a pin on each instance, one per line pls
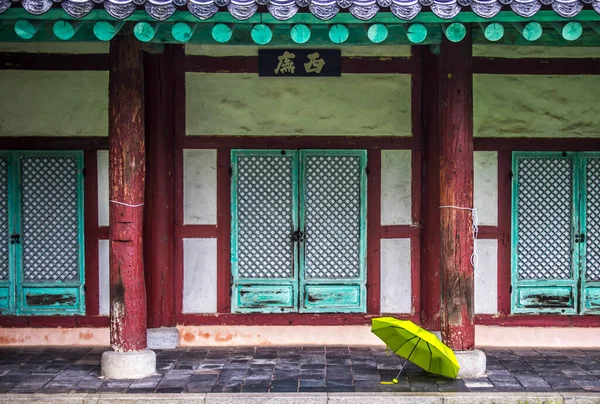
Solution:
(306, 398)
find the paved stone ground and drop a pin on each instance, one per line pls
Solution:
(309, 369)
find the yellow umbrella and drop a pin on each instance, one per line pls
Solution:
(417, 345)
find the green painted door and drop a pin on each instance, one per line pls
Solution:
(264, 214)
(6, 249)
(589, 235)
(545, 220)
(45, 273)
(333, 223)
(556, 229)
(298, 240)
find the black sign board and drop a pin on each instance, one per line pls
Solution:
(299, 62)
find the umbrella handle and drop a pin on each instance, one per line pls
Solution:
(395, 379)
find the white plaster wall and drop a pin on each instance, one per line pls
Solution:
(396, 290)
(104, 285)
(245, 104)
(486, 277)
(199, 275)
(44, 103)
(485, 192)
(103, 209)
(55, 47)
(536, 106)
(199, 186)
(242, 50)
(545, 52)
(396, 177)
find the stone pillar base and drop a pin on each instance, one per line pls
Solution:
(472, 363)
(128, 365)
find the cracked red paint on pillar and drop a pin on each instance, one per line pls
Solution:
(127, 176)
(456, 189)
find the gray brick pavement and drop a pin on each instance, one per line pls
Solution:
(295, 369)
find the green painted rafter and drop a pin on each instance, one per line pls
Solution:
(305, 18)
(545, 29)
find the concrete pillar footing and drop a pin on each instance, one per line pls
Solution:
(163, 338)
(472, 363)
(128, 365)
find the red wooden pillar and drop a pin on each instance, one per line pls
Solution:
(159, 214)
(127, 176)
(430, 208)
(456, 189)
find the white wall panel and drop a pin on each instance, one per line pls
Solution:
(103, 275)
(486, 277)
(396, 178)
(396, 290)
(485, 193)
(199, 186)
(200, 275)
(103, 209)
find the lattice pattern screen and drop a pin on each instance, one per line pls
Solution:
(3, 218)
(544, 217)
(265, 206)
(593, 220)
(332, 216)
(50, 218)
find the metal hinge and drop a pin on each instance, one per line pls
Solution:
(510, 289)
(367, 170)
(511, 175)
(230, 171)
(83, 172)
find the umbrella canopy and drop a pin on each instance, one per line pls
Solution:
(417, 345)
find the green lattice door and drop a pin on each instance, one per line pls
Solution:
(298, 230)
(41, 225)
(589, 237)
(555, 233)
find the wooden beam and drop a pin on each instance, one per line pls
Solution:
(52, 61)
(377, 33)
(456, 195)
(416, 33)
(145, 31)
(531, 31)
(126, 181)
(544, 67)
(106, 30)
(570, 31)
(455, 32)
(182, 32)
(249, 64)
(430, 210)
(222, 33)
(159, 242)
(338, 33)
(303, 18)
(493, 31)
(66, 30)
(261, 34)
(27, 29)
(300, 33)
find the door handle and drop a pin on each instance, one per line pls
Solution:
(298, 236)
(15, 239)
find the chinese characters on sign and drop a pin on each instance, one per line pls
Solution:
(299, 63)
